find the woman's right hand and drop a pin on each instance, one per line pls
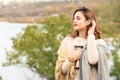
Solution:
(75, 56)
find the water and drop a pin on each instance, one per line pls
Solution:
(13, 72)
(7, 31)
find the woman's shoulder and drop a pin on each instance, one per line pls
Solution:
(101, 42)
(67, 38)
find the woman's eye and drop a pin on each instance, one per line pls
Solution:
(78, 18)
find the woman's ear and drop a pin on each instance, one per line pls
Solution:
(88, 22)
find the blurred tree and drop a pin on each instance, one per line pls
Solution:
(38, 45)
(108, 15)
(115, 71)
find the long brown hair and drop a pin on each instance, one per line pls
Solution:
(88, 14)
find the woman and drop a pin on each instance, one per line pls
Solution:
(79, 56)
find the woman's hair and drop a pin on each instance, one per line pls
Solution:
(88, 14)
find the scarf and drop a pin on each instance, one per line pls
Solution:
(103, 71)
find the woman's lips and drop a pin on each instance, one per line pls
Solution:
(75, 24)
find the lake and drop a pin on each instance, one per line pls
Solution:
(7, 31)
(13, 72)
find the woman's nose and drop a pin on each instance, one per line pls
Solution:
(74, 20)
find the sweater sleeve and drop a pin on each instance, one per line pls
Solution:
(66, 63)
(66, 66)
(92, 51)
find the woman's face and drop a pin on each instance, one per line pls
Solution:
(79, 21)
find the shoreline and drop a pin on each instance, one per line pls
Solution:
(21, 19)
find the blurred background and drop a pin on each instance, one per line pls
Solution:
(32, 30)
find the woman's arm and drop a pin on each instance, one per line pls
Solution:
(66, 66)
(92, 51)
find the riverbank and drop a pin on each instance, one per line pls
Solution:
(21, 19)
(35, 12)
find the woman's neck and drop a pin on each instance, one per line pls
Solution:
(82, 34)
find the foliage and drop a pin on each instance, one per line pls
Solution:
(116, 59)
(109, 17)
(38, 45)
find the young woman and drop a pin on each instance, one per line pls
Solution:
(81, 56)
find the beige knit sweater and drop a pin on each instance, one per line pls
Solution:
(64, 68)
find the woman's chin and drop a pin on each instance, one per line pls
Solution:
(76, 29)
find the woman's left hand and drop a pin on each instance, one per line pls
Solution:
(92, 28)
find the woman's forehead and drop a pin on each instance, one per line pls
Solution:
(79, 13)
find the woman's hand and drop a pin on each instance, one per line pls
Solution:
(75, 56)
(92, 28)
